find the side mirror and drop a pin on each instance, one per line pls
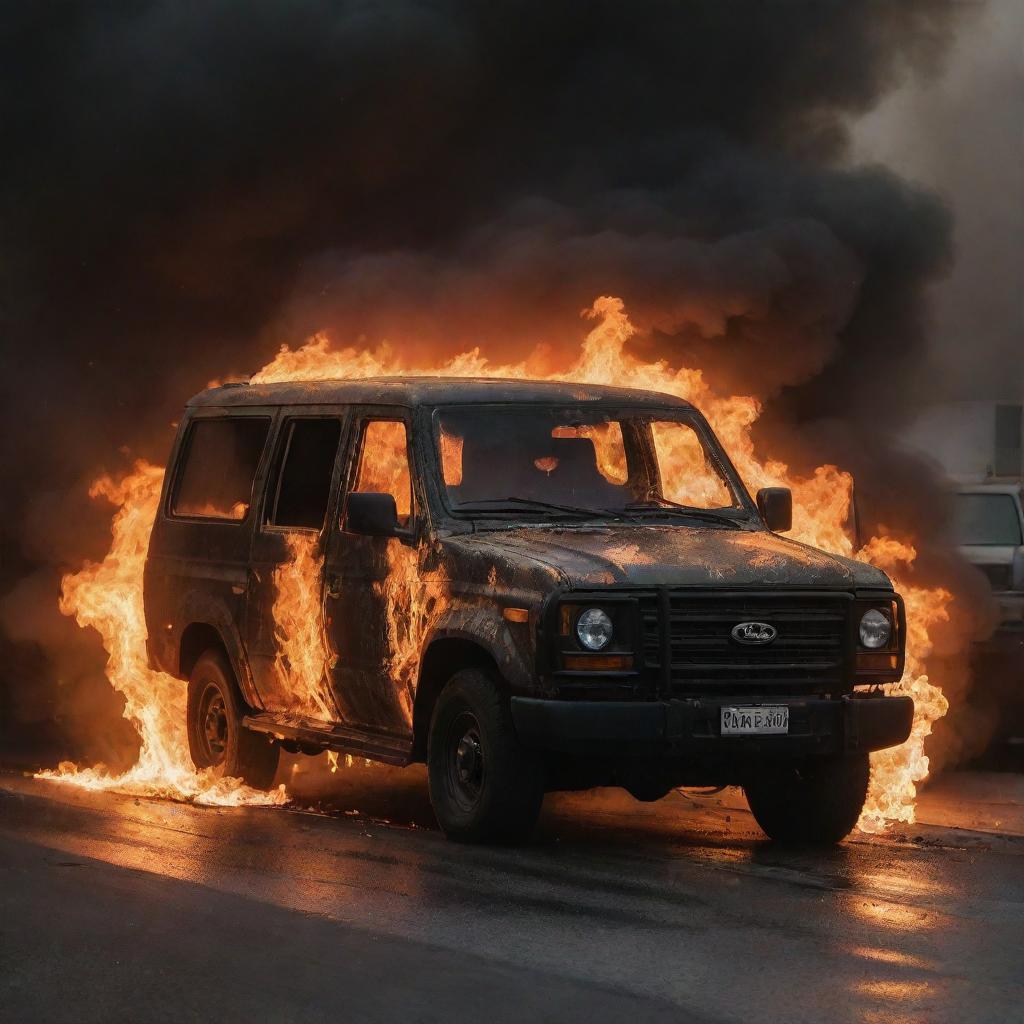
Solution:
(776, 507)
(372, 514)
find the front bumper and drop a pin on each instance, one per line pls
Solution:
(690, 727)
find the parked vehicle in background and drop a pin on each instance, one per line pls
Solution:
(978, 445)
(528, 586)
(989, 529)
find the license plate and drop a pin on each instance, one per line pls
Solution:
(755, 721)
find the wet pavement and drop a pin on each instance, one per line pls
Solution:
(353, 907)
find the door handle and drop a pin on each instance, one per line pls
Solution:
(241, 588)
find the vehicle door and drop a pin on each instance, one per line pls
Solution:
(288, 647)
(198, 566)
(373, 582)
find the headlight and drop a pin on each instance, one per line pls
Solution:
(875, 629)
(594, 629)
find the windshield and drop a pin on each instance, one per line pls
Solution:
(987, 519)
(574, 460)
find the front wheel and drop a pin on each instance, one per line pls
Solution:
(816, 801)
(484, 786)
(216, 737)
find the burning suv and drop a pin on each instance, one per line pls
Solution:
(528, 586)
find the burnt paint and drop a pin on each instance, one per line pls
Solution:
(675, 555)
(196, 568)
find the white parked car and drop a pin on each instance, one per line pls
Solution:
(989, 523)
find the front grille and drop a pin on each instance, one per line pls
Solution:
(807, 655)
(1000, 577)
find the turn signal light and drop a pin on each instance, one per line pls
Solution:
(564, 620)
(877, 662)
(605, 663)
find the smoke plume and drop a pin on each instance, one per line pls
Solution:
(186, 187)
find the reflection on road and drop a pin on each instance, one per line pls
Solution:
(682, 900)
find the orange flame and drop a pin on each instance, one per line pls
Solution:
(821, 502)
(304, 657)
(412, 605)
(109, 596)
(895, 772)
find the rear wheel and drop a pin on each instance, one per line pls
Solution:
(216, 736)
(484, 786)
(816, 801)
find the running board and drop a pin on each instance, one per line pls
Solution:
(389, 749)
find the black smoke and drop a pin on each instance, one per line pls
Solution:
(186, 186)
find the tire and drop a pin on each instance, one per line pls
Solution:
(648, 781)
(484, 787)
(815, 801)
(216, 737)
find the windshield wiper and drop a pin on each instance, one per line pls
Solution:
(540, 506)
(666, 507)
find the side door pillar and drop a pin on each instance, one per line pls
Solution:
(372, 584)
(290, 558)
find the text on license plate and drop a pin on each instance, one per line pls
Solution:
(759, 721)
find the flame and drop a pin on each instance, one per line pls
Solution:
(384, 464)
(895, 772)
(412, 606)
(108, 596)
(821, 501)
(609, 450)
(304, 657)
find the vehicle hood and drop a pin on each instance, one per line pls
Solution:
(651, 555)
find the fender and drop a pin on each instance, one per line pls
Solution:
(204, 608)
(508, 644)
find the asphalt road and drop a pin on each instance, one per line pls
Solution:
(121, 909)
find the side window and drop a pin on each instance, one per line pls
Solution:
(384, 464)
(219, 466)
(299, 498)
(687, 475)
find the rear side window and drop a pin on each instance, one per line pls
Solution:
(303, 488)
(219, 466)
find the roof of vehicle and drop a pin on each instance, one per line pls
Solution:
(413, 391)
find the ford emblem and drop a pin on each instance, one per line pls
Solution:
(754, 633)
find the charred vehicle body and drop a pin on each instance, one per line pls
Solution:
(528, 586)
